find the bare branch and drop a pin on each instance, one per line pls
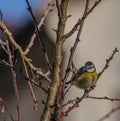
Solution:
(17, 47)
(14, 81)
(108, 61)
(56, 86)
(4, 107)
(30, 86)
(76, 104)
(110, 113)
(92, 97)
(49, 8)
(37, 32)
(94, 6)
(5, 63)
(104, 98)
(80, 20)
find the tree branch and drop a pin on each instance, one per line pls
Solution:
(18, 47)
(46, 116)
(37, 27)
(104, 98)
(107, 62)
(80, 20)
(14, 81)
(110, 113)
(49, 8)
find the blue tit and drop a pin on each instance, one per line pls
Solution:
(85, 77)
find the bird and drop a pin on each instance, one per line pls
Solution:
(85, 77)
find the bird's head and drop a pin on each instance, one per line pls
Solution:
(89, 67)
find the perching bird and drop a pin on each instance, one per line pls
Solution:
(85, 77)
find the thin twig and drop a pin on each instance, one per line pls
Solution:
(67, 90)
(110, 113)
(3, 45)
(5, 63)
(31, 80)
(104, 98)
(74, 70)
(58, 8)
(38, 35)
(70, 102)
(31, 87)
(93, 7)
(14, 81)
(8, 111)
(107, 62)
(49, 8)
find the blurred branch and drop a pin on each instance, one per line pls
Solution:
(14, 81)
(30, 86)
(25, 60)
(18, 47)
(110, 113)
(4, 107)
(49, 8)
(6, 64)
(3, 44)
(37, 27)
(1, 15)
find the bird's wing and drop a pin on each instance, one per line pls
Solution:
(76, 75)
(80, 71)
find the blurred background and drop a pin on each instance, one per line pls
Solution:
(100, 35)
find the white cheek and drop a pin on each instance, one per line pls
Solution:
(91, 70)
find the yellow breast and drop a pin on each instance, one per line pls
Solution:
(85, 80)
